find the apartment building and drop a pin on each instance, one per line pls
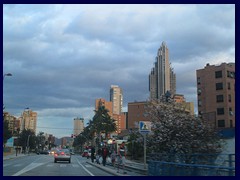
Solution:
(216, 94)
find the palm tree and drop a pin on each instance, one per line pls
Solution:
(103, 122)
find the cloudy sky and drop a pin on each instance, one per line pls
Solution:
(63, 57)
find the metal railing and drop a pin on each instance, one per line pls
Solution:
(191, 164)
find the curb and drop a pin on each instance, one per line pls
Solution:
(108, 170)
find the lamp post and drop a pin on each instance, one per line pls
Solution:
(7, 74)
(28, 143)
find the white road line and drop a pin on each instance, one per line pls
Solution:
(63, 165)
(28, 168)
(85, 168)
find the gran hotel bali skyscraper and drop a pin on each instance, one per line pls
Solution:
(162, 78)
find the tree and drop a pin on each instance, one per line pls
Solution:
(6, 132)
(175, 131)
(40, 140)
(27, 138)
(103, 123)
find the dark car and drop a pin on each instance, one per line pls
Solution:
(43, 152)
(62, 155)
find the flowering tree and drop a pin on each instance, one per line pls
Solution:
(176, 131)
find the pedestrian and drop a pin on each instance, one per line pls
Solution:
(122, 157)
(99, 153)
(104, 154)
(92, 153)
(113, 158)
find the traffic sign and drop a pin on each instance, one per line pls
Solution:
(144, 126)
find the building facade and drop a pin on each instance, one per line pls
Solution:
(107, 104)
(162, 77)
(189, 106)
(136, 113)
(29, 120)
(216, 94)
(116, 97)
(78, 126)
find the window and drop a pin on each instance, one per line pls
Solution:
(199, 103)
(231, 74)
(220, 111)
(221, 123)
(229, 98)
(229, 85)
(231, 123)
(198, 80)
(230, 111)
(199, 91)
(218, 74)
(219, 86)
(219, 98)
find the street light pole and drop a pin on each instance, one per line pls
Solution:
(7, 74)
(28, 143)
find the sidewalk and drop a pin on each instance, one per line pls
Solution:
(12, 155)
(138, 168)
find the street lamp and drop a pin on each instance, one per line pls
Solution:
(7, 74)
(28, 143)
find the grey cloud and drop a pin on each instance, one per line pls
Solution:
(63, 57)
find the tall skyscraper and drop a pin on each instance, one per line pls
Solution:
(116, 97)
(216, 94)
(78, 126)
(162, 77)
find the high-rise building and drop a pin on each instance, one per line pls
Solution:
(216, 94)
(29, 120)
(116, 97)
(78, 125)
(162, 77)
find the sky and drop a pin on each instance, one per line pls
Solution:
(64, 57)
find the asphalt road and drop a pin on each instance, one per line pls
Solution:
(43, 165)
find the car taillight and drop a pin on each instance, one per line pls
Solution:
(62, 153)
(55, 155)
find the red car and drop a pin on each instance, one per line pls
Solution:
(85, 153)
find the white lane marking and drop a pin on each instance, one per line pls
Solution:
(50, 165)
(63, 165)
(85, 168)
(28, 168)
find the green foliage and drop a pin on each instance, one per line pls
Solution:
(27, 137)
(175, 131)
(135, 145)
